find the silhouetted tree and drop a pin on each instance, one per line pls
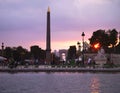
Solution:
(71, 52)
(8, 52)
(35, 51)
(104, 38)
(38, 53)
(100, 37)
(17, 53)
(42, 54)
(113, 37)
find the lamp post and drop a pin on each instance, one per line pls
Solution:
(83, 46)
(2, 49)
(79, 46)
(79, 49)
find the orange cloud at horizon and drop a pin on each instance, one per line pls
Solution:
(54, 44)
(62, 44)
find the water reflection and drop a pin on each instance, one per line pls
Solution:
(59, 83)
(95, 85)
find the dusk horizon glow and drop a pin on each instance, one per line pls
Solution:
(23, 22)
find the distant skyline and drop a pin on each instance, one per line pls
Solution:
(23, 22)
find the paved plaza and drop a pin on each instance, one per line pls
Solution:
(46, 68)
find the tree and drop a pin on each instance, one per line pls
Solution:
(100, 37)
(17, 53)
(113, 37)
(8, 52)
(35, 51)
(38, 53)
(71, 52)
(103, 39)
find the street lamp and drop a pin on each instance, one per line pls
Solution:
(83, 46)
(79, 49)
(79, 46)
(2, 49)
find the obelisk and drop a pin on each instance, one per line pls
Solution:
(48, 39)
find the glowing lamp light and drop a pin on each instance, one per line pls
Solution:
(96, 46)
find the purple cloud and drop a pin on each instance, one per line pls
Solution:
(25, 20)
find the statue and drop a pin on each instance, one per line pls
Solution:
(101, 53)
(100, 58)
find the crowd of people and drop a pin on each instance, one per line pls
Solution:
(89, 62)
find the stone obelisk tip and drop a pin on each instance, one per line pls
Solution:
(48, 9)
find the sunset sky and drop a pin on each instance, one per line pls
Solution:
(23, 22)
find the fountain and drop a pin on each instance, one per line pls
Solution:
(101, 57)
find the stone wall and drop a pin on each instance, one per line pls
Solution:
(115, 58)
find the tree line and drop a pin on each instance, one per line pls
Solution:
(19, 54)
(108, 40)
